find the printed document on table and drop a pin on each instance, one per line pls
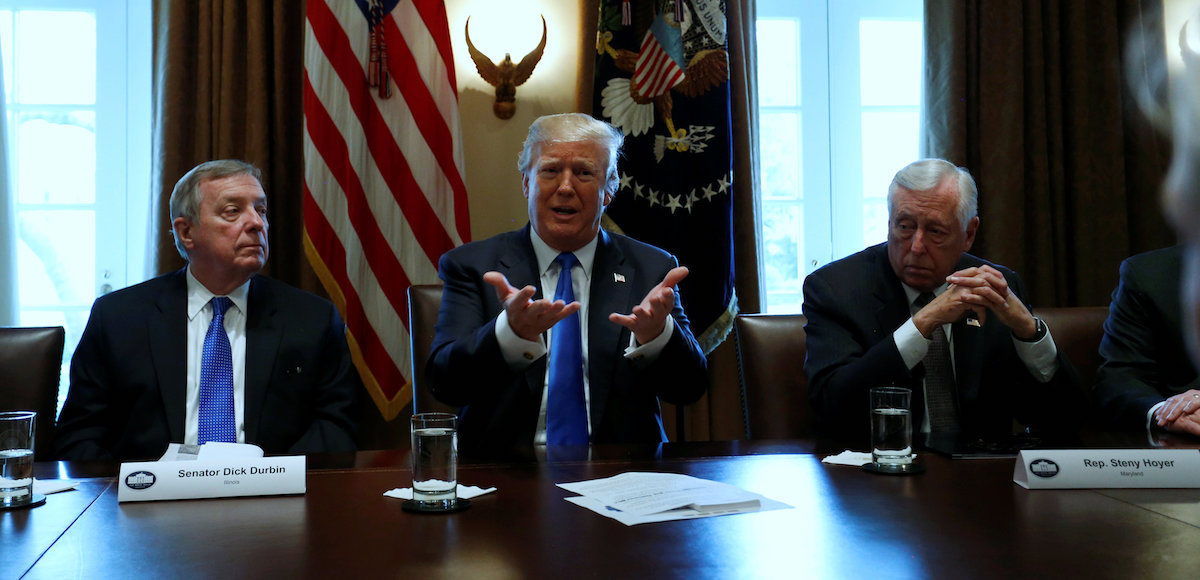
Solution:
(639, 497)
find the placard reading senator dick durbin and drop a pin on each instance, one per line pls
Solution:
(159, 480)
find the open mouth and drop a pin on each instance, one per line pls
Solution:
(564, 211)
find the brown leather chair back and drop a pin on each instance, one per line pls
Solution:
(1077, 332)
(30, 366)
(774, 389)
(424, 300)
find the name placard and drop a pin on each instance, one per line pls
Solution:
(1107, 468)
(234, 477)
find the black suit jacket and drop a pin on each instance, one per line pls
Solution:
(854, 305)
(500, 407)
(127, 395)
(1145, 357)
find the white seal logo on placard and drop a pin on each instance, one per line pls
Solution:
(1043, 468)
(140, 480)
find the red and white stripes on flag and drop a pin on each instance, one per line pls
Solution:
(660, 63)
(384, 196)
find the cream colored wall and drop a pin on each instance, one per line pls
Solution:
(491, 145)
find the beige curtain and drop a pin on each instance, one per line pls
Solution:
(228, 76)
(1031, 96)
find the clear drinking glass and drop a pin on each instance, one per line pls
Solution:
(16, 458)
(434, 458)
(891, 428)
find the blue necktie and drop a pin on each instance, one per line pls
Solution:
(217, 422)
(566, 412)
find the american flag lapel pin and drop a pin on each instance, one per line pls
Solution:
(618, 278)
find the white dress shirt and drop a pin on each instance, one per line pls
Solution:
(1041, 357)
(520, 353)
(199, 313)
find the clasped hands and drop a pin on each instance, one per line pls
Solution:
(530, 318)
(1180, 413)
(975, 292)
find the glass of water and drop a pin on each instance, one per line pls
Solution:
(891, 429)
(434, 459)
(16, 458)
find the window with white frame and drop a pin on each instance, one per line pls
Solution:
(839, 86)
(77, 103)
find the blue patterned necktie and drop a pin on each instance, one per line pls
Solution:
(566, 412)
(217, 422)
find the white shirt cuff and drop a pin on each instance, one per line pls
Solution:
(1041, 357)
(911, 344)
(649, 352)
(518, 352)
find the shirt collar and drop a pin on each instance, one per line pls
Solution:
(546, 255)
(198, 296)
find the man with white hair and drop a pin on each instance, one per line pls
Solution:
(919, 312)
(618, 341)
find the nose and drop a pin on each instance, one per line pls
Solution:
(257, 221)
(566, 182)
(918, 242)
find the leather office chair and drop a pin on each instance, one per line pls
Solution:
(774, 389)
(30, 367)
(1077, 332)
(424, 300)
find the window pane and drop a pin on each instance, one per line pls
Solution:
(56, 57)
(783, 248)
(780, 151)
(56, 157)
(875, 222)
(891, 62)
(6, 46)
(778, 63)
(55, 259)
(890, 141)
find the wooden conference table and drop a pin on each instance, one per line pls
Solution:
(962, 518)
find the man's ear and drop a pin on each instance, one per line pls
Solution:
(525, 185)
(972, 226)
(183, 231)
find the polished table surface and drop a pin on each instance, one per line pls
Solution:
(962, 518)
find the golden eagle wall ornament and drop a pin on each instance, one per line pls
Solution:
(505, 76)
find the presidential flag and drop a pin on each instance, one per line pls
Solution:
(662, 77)
(384, 194)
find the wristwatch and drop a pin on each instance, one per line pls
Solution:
(1041, 331)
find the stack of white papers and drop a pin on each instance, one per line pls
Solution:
(639, 497)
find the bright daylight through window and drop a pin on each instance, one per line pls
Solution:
(77, 112)
(839, 113)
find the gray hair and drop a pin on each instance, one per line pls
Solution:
(926, 174)
(572, 128)
(185, 198)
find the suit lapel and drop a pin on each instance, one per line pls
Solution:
(612, 284)
(167, 328)
(263, 334)
(518, 263)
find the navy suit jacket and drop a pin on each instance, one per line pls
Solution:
(127, 395)
(1145, 357)
(854, 305)
(499, 406)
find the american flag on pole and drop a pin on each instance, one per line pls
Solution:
(384, 195)
(660, 62)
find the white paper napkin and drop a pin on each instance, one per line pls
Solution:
(463, 491)
(848, 457)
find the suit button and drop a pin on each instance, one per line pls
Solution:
(528, 356)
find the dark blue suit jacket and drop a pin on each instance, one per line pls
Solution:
(1145, 357)
(854, 305)
(499, 406)
(127, 395)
